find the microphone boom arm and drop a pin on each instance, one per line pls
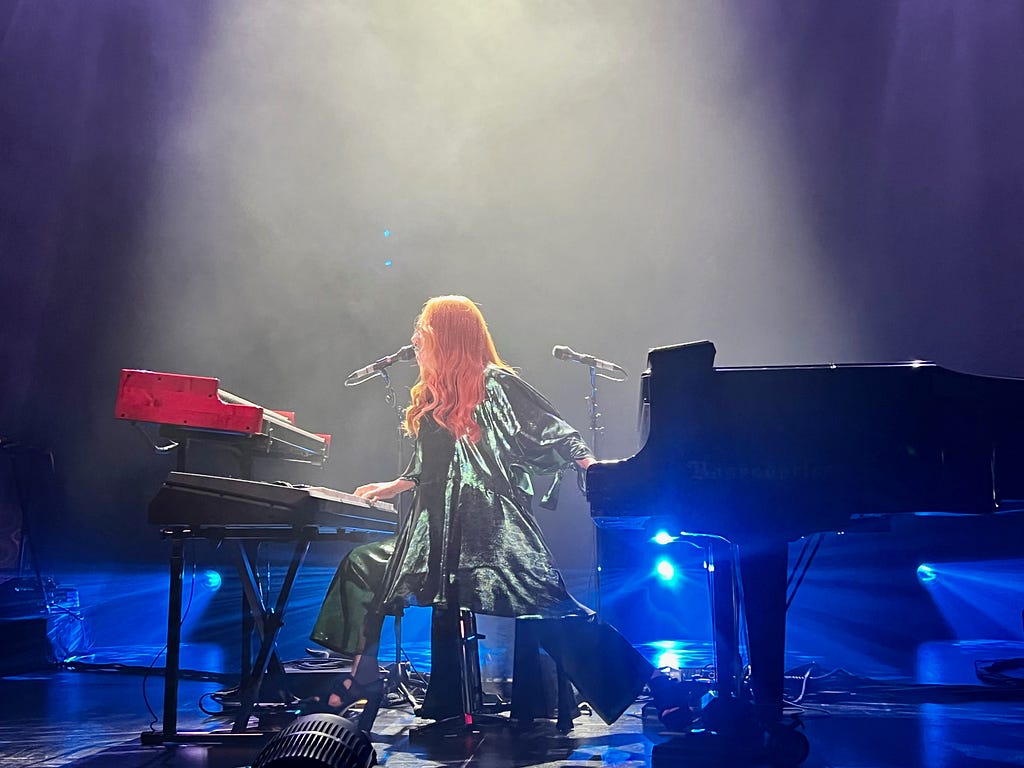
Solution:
(377, 367)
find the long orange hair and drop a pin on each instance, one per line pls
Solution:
(455, 349)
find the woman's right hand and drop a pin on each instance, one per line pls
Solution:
(382, 491)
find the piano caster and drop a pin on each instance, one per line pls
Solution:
(732, 734)
(782, 746)
(785, 745)
(734, 719)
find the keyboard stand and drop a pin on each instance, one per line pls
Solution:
(266, 622)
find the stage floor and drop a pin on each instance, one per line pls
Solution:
(93, 719)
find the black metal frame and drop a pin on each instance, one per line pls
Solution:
(265, 622)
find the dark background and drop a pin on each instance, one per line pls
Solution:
(214, 188)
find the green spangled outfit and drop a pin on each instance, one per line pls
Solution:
(471, 534)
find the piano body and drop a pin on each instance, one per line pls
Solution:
(759, 457)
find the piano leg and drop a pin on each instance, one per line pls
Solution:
(736, 730)
(763, 569)
(725, 618)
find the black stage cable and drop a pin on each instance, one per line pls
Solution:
(804, 678)
(161, 449)
(803, 687)
(204, 710)
(133, 669)
(412, 668)
(802, 710)
(422, 682)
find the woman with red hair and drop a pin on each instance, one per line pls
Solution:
(471, 540)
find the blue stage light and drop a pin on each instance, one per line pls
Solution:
(387, 262)
(387, 233)
(668, 659)
(668, 654)
(977, 599)
(665, 570)
(211, 580)
(663, 537)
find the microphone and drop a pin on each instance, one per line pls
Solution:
(405, 353)
(565, 353)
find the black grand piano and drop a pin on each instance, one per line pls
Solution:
(757, 457)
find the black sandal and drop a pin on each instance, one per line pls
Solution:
(372, 692)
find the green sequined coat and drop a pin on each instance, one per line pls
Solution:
(471, 527)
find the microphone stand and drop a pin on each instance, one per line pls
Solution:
(391, 398)
(397, 678)
(596, 428)
(595, 416)
(595, 431)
